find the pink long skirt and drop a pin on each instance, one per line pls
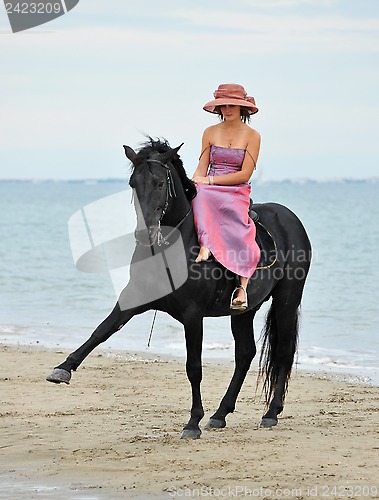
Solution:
(224, 226)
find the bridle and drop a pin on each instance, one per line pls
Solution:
(170, 193)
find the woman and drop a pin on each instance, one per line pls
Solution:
(229, 155)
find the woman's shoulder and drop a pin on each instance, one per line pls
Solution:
(252, 134)
(209, 133)
(211, 129)
(250, 130)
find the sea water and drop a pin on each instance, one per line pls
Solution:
(46, 301)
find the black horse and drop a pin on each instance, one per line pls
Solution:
(165, 219)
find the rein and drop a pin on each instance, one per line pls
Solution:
(163, 240)
(170, 193)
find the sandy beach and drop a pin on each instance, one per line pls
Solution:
(114, 433)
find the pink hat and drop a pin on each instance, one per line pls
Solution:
(231, 93)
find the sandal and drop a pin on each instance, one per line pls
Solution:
(238, 304)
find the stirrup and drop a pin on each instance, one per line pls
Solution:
(239, 306)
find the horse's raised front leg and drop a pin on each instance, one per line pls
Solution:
(194, 341)
(114, 322)
(245, 350)
(110, 325)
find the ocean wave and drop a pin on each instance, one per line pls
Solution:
(206, 346)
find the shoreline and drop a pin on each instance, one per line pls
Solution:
(114, 432)
(336, 372)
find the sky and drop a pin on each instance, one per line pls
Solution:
(74, 90)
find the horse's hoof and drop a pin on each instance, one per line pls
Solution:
(59, 375)
(190, 434)
(214, 423)
(266, 423)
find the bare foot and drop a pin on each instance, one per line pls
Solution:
(204, 254)
(239, 299)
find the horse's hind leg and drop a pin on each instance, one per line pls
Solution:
(243, 333)
(279, 348)
(116, 320)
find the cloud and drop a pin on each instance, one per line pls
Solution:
(259, 27)
(226, 34)
(245, 33)
(100, 78)
(254, 32)
(275, 4)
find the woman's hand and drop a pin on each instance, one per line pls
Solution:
(198, 179)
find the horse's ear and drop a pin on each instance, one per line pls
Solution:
(168, 155)
(130, 153)
(177, 148)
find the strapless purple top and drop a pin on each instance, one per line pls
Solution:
(225, 160)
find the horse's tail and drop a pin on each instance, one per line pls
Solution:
(278, 351)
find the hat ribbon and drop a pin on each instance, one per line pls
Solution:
(222, 94)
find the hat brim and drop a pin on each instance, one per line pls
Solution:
(211, 106)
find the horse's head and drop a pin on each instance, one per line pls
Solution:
(153, 185)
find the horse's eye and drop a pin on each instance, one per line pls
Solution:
(160, 185)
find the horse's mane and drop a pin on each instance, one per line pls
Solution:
(162, 146)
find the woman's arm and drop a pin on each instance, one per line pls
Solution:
(248, 165)
(202, 168)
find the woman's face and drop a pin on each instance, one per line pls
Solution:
(230, 111)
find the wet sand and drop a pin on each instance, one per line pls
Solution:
(114, 433)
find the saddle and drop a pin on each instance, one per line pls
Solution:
(265, 241)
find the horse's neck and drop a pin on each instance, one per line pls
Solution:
(181, 216)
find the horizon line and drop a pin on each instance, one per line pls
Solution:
(257, 182)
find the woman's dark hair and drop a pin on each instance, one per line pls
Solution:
(244, 113)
